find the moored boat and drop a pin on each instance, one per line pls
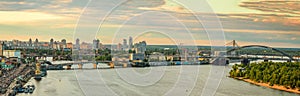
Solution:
(38, 74)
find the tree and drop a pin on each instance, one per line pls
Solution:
(284, 74)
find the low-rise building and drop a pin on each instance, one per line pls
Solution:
(12, 53)
(70, 45)
(136, 56)
(157, 57)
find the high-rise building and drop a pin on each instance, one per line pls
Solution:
(85, 45)
(143, 46)
(96, 44)
(15, 43)
(36, 43)
(130, 43)
(124, 47)
(140, 47)
(77, 45)
(63, 43)
(30, 43)
(55, 45)
(51, 43)
(119, 46)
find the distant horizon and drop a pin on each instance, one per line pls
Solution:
(108, 44)
(150, 47)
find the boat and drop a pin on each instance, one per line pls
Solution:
(38, 77)
(26, 90)
(32, 86)
(30, 90)
(43, 70)
(38, 74)
(20, 90)
(140, 64)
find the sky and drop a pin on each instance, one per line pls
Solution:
(250, 22)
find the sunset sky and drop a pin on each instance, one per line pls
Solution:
(266, 22)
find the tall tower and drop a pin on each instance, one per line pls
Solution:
(130, 43)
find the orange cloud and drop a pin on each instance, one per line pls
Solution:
(64, 1)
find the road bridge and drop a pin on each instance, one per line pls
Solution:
(237, 47)
(80, 63)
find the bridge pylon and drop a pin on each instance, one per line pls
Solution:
(234, 46)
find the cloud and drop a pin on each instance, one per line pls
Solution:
(276, 11)
(294, 38)
(15, 17)
(64, 1)
(158, 40)
(168, 5)
(268, 43)
(57, 7)
(276, 6)
(263, 31)
(62, 16)
(259, 21)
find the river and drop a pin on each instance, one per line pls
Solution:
(164, 80)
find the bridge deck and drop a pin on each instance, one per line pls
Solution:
(77, 62)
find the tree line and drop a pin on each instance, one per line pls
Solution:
(280, 73)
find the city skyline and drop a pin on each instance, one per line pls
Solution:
(149, 47)
(242, 20)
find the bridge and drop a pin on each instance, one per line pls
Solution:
(237, 47)
(79, 63)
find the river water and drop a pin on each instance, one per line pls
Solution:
(150, 81)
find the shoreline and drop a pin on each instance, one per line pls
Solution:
(276, 87)
(25, 71)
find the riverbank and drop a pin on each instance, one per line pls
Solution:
(277, 87)
(17, 78)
